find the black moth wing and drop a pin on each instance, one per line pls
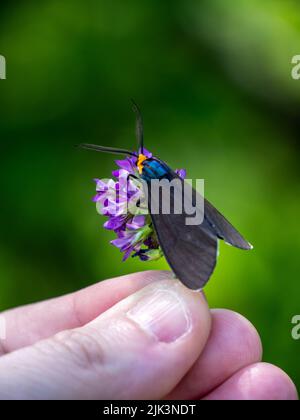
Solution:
(224, 229)
(191, 251)
(219, 225)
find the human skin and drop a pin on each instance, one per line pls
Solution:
(140, 336)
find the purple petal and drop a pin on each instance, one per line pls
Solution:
(114, 223)
(181, 173)
(122, 243)
(139, 220)
(116, 173)
(125, 164)
(121, 233)
(133, 160)
(136, 223)
(127, 254)
(98, 197)
(102, 186)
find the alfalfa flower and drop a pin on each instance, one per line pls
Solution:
(115, 199)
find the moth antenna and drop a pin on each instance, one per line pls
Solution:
(106, 149)
(139, 126)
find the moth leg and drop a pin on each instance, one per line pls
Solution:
(132, 176)
(138, 204)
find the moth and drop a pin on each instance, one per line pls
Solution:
(190, 250)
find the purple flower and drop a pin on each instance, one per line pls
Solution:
(135, 234)
(132, 239)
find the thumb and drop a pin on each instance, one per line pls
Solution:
(138, 349)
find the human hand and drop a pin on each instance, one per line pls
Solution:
(140, 336)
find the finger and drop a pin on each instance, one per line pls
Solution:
(31, 323)
(233, 344)
(138, 349)
(260, 381)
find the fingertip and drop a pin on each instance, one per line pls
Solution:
(260, 381)
(277, 384)
(245, 342)
(233, 343)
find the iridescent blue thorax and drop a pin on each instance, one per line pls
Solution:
(153, 169)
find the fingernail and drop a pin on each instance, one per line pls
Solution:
(163, 312)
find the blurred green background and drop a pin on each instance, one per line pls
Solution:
(214, 82)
